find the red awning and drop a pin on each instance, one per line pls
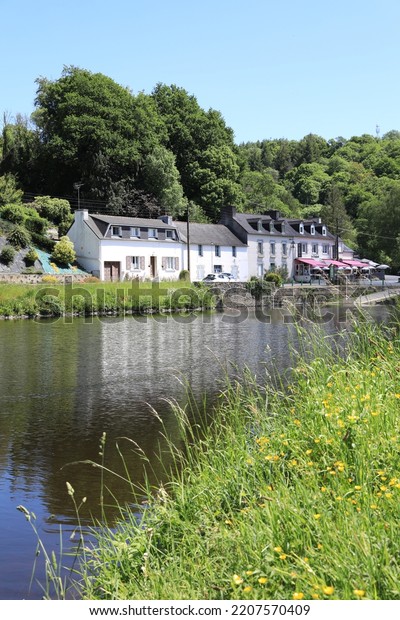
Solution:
(311, 262)
(336, 263)
(354, 263)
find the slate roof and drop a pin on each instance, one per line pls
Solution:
(208, 234)
(100, 223)
(246, 219)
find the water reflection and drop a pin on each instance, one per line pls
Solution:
(63, 385)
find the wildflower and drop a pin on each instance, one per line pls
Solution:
(397, 395)
(328, 590)
(308, 451)
(278, 549)
(389, 495)
(338, 498)
(323, 489)
(319, 546)
(247, 589)
(237, 580)
(249, 572)
(298, 596)
(330, 384)
(374, 413)
(315, 596)
(359, 592)
(317, 440)
(228, 522)
(357, 487)
(374, 506)
(317, 516)
(297, 422)
(262, 580)
(283, 556)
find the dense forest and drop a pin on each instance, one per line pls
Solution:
(147, 154)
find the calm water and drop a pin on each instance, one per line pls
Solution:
(63, 385)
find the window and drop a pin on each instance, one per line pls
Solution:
(283, 226)
(234, 251)
(272, 248)
(312, 229)
(304, 248)
(135, 232)
(301, 229)
(260, 270)
(170, 234)
(135, 262)
(200, 250)
(217, 250)
(325, 249)
(260, 247)
(116, 231)
(170, 263)
(217, 268)
(324, 231)
(315, 248)
(284, 249)
(153, 233)
(272, 266)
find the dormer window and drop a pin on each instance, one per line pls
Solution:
(301, 229)
(170, 234)
(116, 231)
(135, 232)
(312, 229)
(153, 233)
(283, 227)
(324, 231)
(259, 226)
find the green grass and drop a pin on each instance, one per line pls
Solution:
(288, 494)
(87, 298)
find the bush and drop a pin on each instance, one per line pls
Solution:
(13, 213)
(43, 242)
(36, 224)
(64, 252)
(19, 237)
(184, 275)
(7, 255)
(273, 277)
(31, 256)
(50, 279)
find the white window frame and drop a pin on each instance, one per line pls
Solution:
(170, 263)
(312, 229)
(272, 248)
(314, 248)
(304, 248)
(325, 248)
(135, 263)
(260, 248)
(200, 250)
(118, 234)
(135, 231)
(284, 248)
(152, 233)
(170, 234)
(301, 229)
(324, 231)
(217, 251)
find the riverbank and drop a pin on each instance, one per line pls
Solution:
(288, 495)
(55, 299)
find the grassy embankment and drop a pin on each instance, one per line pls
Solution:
(52, 299)
(290, 495)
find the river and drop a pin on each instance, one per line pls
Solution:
(62, 385)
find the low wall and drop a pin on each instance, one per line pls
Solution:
(37, 278)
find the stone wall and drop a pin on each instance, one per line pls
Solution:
(37, 278)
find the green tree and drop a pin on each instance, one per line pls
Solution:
(161, 178)
(9, 193)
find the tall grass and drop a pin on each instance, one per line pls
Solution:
(288, 494)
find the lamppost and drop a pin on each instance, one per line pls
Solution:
(78, 186)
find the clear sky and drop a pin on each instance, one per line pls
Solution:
(273, 68)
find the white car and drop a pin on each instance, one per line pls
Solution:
(216, 277)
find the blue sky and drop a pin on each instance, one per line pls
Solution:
(274, 69)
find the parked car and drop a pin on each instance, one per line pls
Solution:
(216, 277)
(228, 275)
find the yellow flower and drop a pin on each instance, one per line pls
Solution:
(283, 556)
(308, 451)
(237, 580)
(298, 596)
(319, 546)
(317, 516)
(278, 549)
(315, 596)
(328, 590)
(339, 499)
(357, 487)
(297, 422)
(359, 592)
(249, 572)
(247, 589)
(323, 489)
(389, 495)
(262, 580)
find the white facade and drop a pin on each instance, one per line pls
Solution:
(207, 258)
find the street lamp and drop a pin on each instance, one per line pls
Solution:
(78, 186)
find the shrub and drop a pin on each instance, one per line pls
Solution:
(13, 213)
(57, 210)
(7, 255)
(50, 279)
(184, 275)
(31, 256)
(273, 277)
(19, 237)
(64, 252)
(43, 242)
(36, 224)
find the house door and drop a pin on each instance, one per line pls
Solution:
(112, 271)
(153, 266)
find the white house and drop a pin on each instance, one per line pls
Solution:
(213, 249)
(113, 247)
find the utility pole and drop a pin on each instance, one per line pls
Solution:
(337, 240)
